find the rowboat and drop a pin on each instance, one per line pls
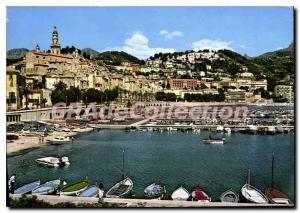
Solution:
(92, 191)
(27, 188)
(155, 191)
(180, 194)
(75, 188)
(47, 188)
(229, 196)
(273, 194)
(199, 194)
(252, 194)
(121, 189)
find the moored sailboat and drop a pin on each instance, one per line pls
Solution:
(252, 194)
(123, 188)
(273, 194)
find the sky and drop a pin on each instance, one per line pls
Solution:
(143, 31)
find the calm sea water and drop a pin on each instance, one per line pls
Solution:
(175, 159)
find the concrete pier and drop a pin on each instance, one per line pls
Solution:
(53, 199)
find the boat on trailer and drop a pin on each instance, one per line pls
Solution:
(123, 188)
(27, 188)
(274, 195)
(47, 188)
(180, 194)
(155, 191)
(229, 196)
(75, 188)
(252, 194)
(198, 194)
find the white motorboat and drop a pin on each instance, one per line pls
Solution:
(59, 140)
(251, 129)
(252, 194)
(180, 194)
(271, 130)
(211, 140)
(53, 161)
(227, 130)
(220, 128)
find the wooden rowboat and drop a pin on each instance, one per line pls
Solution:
(229, 196)
(47, 188)
(180, 194)
(75, 188)
(27, 188)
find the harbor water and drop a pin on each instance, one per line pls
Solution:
(173, 158)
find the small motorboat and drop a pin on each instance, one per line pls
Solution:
(121, 189)
(180, 194)
(229, 196)
(59, 140)
(220, 128)
(252, 194)
(198, 194)
(27, 188)
(211, 140)
(273, 194)
(92, 191)
(271, 130)
(53, 161)
(75, 188)
(47, 188)
(155, 191)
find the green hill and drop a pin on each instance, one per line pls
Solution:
(116, 58)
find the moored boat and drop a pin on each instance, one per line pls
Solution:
(53, 161)
(27, 188)
(252, 194)
(273, 194)
(251, 129)
(121, 189)
(198, 194)
(155, 191)
(219, 128)
(92, 191)
(47, 188)
(211, 140)
(59, 140)
(75, 188)
(180, 194)
(271, 130)
(229, 196)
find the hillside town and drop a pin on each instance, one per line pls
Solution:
(186, 76)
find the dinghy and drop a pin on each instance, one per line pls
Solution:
(273, 194)
(123, 188)
(47, 188)
(252, 194)
(180, 194)
(155, 191)
(92, 191)
(75, 188)
(229, 196)
(198, 194)
(27, 188)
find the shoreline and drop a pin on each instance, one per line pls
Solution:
(27, 143)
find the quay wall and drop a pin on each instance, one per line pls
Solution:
(53, 199)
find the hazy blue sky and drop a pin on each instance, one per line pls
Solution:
(143, 31)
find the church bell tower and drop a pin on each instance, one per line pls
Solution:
(55, 45)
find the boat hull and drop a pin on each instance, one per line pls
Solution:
(155, 191)
(27, 188)
(121, 189)
(276, 196)
(253, 195)
(229, 196)
(180, 194)
(198, 194)
(76, 191)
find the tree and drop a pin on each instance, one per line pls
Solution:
(92, 95)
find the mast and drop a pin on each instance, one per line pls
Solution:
(248, 181)
(272, 183)
(123, 170)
